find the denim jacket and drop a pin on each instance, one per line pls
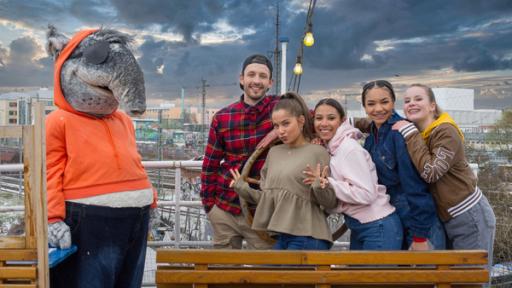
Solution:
(409, 193)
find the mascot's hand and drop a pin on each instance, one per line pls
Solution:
(59, 235)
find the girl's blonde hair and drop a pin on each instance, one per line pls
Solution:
(431, 98)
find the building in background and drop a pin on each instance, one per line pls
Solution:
(455, 98)
(16, 107)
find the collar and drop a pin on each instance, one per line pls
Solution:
(395, 117)
(259, 107)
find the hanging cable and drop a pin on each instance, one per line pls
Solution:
(307, 40)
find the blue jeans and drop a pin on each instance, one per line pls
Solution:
(292, 242)
(381, 234)
(111, 247)
(436, 235)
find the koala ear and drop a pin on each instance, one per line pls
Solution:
(55, 41)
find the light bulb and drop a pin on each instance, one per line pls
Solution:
(308, 39)
(297, 70)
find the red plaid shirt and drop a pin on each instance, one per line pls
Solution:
(234, 133)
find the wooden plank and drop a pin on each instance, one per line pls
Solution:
(18, 255)
(201, 267)
(443, 284)
(323, 268)
(165, 285)
(18, 273)
(18, 286)
(446, 257)
(28, 182)
(11, 131)
(12, 242)
(321, 277)
(39, 197)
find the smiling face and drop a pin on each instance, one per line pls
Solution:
(288, 127)
(417, 106)
(327, 120)
(255, 81)
(379, 105)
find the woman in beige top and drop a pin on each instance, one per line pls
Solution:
(285, 205)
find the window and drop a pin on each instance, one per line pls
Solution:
(12, 121)
(13, 104)
(13, 113)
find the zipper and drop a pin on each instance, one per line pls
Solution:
(112, 143)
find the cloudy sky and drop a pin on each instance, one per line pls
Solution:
(456, 43)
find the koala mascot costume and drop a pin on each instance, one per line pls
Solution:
(99, 195)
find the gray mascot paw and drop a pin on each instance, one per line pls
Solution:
(59, 235)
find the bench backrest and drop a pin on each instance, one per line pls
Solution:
(320, 268)
(24, 259)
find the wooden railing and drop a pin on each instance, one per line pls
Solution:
(24, 259)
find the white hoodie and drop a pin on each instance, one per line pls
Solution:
(354, 178)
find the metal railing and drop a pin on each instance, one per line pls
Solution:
(177, 203)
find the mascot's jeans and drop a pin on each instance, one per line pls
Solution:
(111, 247)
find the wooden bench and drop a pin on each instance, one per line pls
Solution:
(321, 269)
(24, 259)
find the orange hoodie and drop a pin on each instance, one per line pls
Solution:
(87, 156)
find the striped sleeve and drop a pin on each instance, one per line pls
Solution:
(408, 130)
(436, 159)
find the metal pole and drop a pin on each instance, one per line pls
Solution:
(182, 105)
(177, 212)
(203, 114)
(159, 147)
(277, 52)
(284, 45)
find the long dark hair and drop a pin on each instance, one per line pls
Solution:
(377, 84)
(295, 105)
(334, 104)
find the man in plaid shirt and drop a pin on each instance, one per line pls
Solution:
(234, 133)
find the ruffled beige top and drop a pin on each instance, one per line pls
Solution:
(285, 204)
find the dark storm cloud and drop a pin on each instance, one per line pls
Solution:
(184, 17)
(423, 35)
(93, 12)
(19, 67)
(482, 60)
(186, 64)
(36, 14)
(342, 43)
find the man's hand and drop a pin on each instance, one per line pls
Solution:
(269, 138)
(59, 235)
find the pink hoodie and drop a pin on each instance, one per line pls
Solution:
(354, 178)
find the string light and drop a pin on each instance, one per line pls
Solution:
(297, 69)
(309, 40)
